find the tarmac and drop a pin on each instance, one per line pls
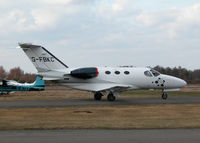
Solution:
(102, 136)
(90, 102)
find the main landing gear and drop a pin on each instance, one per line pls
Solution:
(164, 96)
(110, 97)
(98, 96)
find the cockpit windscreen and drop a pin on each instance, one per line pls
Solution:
(154, 72)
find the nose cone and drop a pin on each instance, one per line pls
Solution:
(180, 82)
(174, 82)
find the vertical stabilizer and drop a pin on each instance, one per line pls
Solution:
(39, 82)
(42, 59)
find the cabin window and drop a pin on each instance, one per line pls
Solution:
(147, 73)
(108, 72)
(117, 72)
(126, 72)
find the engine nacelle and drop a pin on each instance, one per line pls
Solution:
(85, 73)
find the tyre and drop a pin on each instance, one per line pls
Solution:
(111, 97)
(164, 96)
(97, 96)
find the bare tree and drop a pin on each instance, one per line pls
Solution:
(2, 73)
(15, 74)
(27, 77)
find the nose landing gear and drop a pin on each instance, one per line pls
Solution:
(164, 96)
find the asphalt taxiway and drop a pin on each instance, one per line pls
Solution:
(102, 136)
(90, 102)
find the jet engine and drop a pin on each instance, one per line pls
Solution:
(85, 73)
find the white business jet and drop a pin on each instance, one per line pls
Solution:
(101, 81)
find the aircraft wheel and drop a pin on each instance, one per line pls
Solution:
(97, 96)
(111, 97)
(164, 96)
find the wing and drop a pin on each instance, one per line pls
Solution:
(101, 86)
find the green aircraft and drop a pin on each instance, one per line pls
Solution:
(7, 86)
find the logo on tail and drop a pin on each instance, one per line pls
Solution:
(43, 59)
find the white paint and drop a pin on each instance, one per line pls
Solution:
(136, 79)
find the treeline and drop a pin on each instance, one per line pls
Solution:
(191, 76)
(16, 74)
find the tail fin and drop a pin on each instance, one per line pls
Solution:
(39, 82)
(42, 59)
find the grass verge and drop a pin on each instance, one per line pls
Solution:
(121, 117)
(76, 94)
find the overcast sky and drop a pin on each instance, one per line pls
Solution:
(103, 32)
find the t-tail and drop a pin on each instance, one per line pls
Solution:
(42, 59)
